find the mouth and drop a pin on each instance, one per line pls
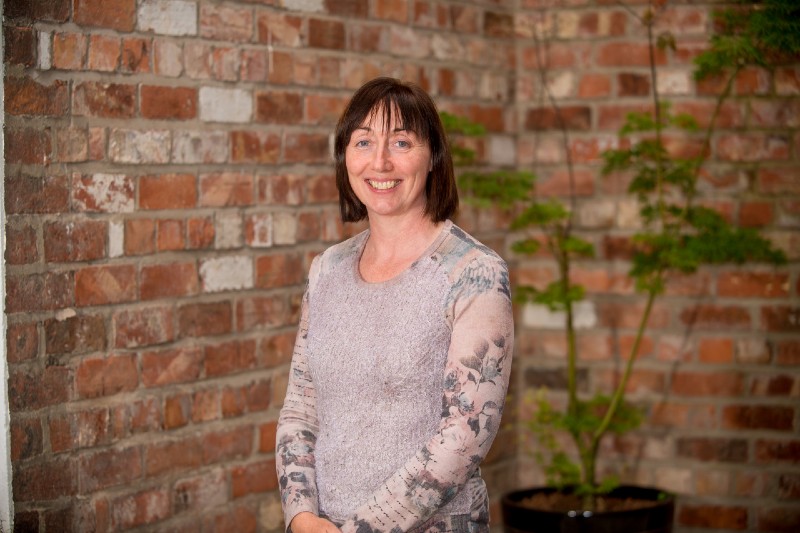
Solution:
(383, 185)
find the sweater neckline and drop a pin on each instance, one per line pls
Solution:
(448, 224)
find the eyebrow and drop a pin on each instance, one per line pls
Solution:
(396, 130)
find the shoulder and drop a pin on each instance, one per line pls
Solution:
(336, 255)
(470, 263)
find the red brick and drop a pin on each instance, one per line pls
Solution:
(202, 492)
(233, 402)
(753, 284)
(559, 183)
(29, 195)
(82, 240)
(169, 281)
(308, 227)
(253, 478)
(276, 350)
(177, 411)
(326, 34)
(594, 86)
(775, 113)
(72, 144)
(266, 437)
(241, 519)
(308, 148)
(20, 46)
(705, 384)
(39, 292)
(323, 110)
(173, 456)
(716, 317)
(715, 350)
(140, 236)
(205, 319)
(348, 8)
(279, 107)
(104, 53)
(170, 235)
(21, 246)
(226, 189)
(106, 100)
(135, 55)
(142, 508)
(230, 358)
(779, 519)
(789, 487)
(756, 214)
(144, 415)
(750, 147)
(109, 468)
(206, 405)
(778, 180)
(787, 352)
(547, 118)
(776, 451)
(114, 14)
(224, 23)
(781, 318)
(622, 54)
(179, 103)
(255, 147)
(33, 388)
(260, 312)
(26, 438)
(780, 385)
(69, 50)
(75, 335)
(178, 365)
(105, 285)
(200, 233)
(321, 188)
(143, 327)
(31, 146)
(24, 96)
(631, 84)
(225, 63)
(279, 270)
(226, 445)
(712, 516)
(713, 449)
(498, 25)
(41, 482)
(81, 429)
(106, 376)
(22, 342)
(771, 417)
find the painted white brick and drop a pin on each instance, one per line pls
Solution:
(599, 213)
(674, 82)
(284, 228)
(116, 238)
(134, 146)
(167, 57)
(562, 85)
(45, 56)
(168, 17)
(226, 273)
(261, 227)
(227, 230)
(540, 316)
(191, 147)
(107, 193)
(628, 216)
(502, 150)
(312, 6)
(225, 105)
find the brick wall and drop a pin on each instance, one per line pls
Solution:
(167, 180)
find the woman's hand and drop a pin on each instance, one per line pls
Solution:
(310, 523)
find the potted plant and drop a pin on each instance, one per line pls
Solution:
(678, 235)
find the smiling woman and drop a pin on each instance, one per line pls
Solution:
(403, 354)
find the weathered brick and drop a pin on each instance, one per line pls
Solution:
(26, 438)
(179, 103)
(32, 146)
(279, 107)
(80, 240)
(138, 147)
(177, 411)
(167, 17)
(81, 429)
(546, 118)
(173, 456)
(255, 147)
(141, 508)
(205, 319)
(713, 516)
(105, 285)
(114, 14)
(772, 417)
(135, 55)
(229, 357)
(44, 481)
(307, 148)
(328, 34)
(749, 147)
(37, 292)
(69, 50)
(20, 45)
(103, 193)
(170, 235)
(778, 519)
(167, 58)
(260, 312)
(21, 245)
(25, 96)
(199, 493)
(781, 318)
(179, 365)
(206, 405)
(27, 194)
(713, 449)
(171, 280)
(276, 350)
(222, 446)
(106, 376)
(716, 317)
(779, 385)
(109, 468)
(226, 273)
(22, 342)
(253, 478)
(226, 23)
(75, 335)
(143, 327)
(189, 147)
(72, 144)
(167, 191)
(139, 236)
(225, 105)
(200, 233)
(285, 189)
(32, 388)
(707, 384)
(278, 270)
(226, 62)
(226, 189)
(777, 451)
(104, 53)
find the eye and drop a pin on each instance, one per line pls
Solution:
(361, 143)
(403, 144)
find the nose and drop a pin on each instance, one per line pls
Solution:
(381, 158)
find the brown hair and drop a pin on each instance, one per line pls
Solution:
(417, 113)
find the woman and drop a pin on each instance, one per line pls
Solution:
(403, 352)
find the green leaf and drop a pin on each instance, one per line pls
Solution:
(541, 213)
(526, 246)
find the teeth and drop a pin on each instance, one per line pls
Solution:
(384, 185)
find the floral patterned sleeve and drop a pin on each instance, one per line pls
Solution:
(297, 429)
(476, 378)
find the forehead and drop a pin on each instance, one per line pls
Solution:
(382, 118)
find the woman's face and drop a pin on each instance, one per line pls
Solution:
(387, 167)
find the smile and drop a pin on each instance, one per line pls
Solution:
(383, 185)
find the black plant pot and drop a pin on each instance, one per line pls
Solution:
(655, 518)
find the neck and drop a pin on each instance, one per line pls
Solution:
(402, 237)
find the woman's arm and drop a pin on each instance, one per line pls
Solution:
(297, 429)
(476, 378)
